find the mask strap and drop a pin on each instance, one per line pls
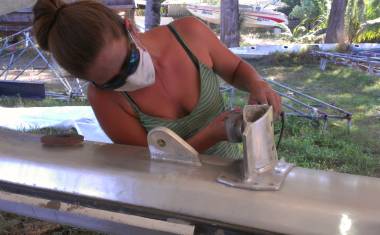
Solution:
(135, 41)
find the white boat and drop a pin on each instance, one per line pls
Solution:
(254, 16)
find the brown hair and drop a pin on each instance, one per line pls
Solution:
(74, 33)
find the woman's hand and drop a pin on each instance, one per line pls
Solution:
(216, 127)
(213, 133)
(262, 93)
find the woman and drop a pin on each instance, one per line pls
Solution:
(163, 77)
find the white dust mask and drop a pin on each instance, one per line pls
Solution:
(144, 75)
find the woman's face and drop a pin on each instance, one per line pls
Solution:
(109, 61)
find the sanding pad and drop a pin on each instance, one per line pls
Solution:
(62, 140)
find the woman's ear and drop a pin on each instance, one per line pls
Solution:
(130, 26)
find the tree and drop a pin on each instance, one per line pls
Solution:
(290, 4)
(313, 17)
(308, 9)
(369, 30)
(152, 14)
(335, 31)
(355, 16)
(229, 23)
(372, 10)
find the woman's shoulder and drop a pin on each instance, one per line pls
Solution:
(189, 24)
(195, 31)
(187, 20)
(95, 95)
(100, 99)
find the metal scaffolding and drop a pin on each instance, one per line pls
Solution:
(367, 60)
(299, 104)
(19, 45)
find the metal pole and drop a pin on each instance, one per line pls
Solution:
(307, 96)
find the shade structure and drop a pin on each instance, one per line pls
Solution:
(8, 6)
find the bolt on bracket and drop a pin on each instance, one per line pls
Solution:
(166, 145)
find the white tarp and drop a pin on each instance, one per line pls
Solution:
(82, 118)
(8, 6)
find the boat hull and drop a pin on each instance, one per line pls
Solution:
(251, 19)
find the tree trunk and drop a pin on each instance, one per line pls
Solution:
(229, 23)
(361, 11)
(335, 31)
(152, 14)
(355, 16)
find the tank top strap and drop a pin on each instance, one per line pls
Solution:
(183, 44)
(132, 102)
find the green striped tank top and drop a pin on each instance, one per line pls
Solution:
(209, 106)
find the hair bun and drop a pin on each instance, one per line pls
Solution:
(45, 12)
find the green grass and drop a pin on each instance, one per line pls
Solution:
(334, 149)
(48, 102)
(357, 152)
(305, 143)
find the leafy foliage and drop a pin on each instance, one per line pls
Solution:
(354, 17)
(313, 15)
(214, 2)
(369, 32)
(363, 20)
(310, 9)
(372, 10)
(311, 26)
(290, 4)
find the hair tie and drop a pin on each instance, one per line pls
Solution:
(57, 12)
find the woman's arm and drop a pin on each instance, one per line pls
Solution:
(120, 125)
(230, 67)
(123, 127)
(211, 134)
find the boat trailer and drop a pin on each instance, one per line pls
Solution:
(169, 188)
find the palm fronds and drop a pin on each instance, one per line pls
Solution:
(369, 31)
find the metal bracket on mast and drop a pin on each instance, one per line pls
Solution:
(166, 145)
(261, 169)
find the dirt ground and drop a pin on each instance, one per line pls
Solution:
(38, 72)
